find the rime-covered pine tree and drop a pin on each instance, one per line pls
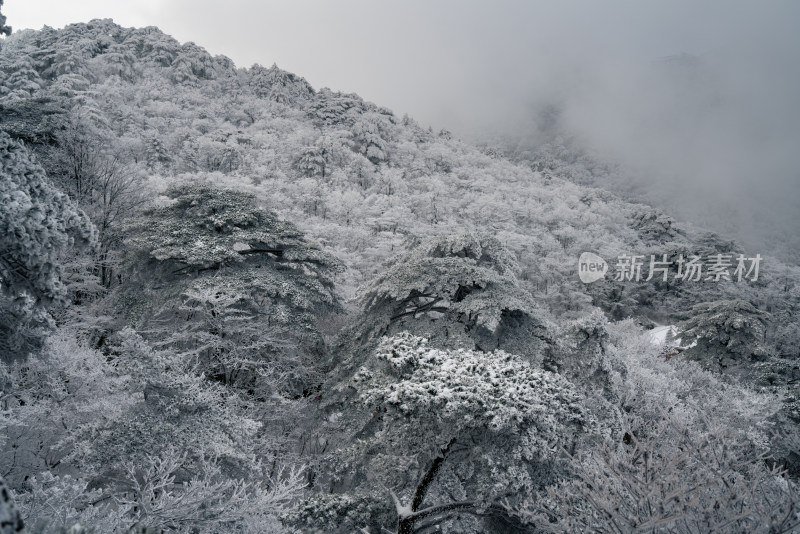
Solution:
(235, 283)
(458, 290)
(448, 435)
(37, 223)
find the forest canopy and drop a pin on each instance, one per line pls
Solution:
(232, 302)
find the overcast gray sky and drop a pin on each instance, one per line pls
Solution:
(725, 141)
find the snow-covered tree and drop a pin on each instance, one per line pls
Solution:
(4, 30)
(371, 135)
(449, 434)
(118, 60)
(312, 161)
(37, 223)
(132, 438)
(335, 109)
(227, 338)
(581, 355)
(207, 229)
(239, 280)
(724, 331)
(192, 64)
(153, 46)
(279, 86)
(460, 289)
(669, 480)
(653, 225)
(20, 79)
(91, 171)
(156, 153)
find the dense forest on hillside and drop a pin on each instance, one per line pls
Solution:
(231, 302)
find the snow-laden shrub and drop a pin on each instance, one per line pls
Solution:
(670, 480)
(692, 454)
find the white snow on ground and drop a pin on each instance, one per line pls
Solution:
(658, 336)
